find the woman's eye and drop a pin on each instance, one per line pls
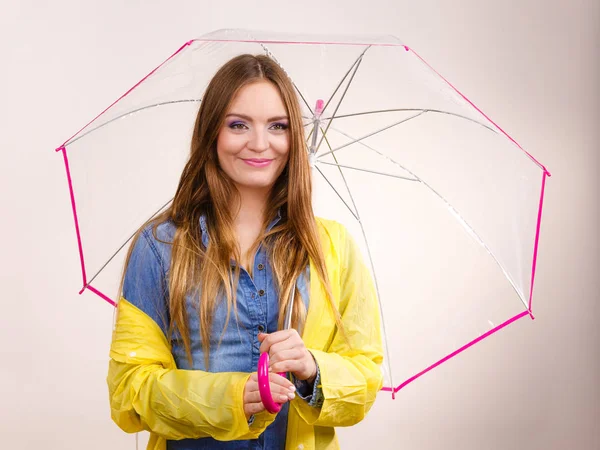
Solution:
(237, 126)
(280, 126)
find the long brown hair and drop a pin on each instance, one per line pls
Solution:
(205, 189)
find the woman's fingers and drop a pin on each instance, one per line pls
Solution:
(289, 338)
(253, 408)
(279, 394)
(286, 355)
(284, 393)
(282, 390)
(297, 360)
(252, 397)
(288, 366)
(292, 342)
(277, 379)
(252, 403)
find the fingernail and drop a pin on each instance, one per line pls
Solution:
(283, 398)
(292, 396)
(292, 388)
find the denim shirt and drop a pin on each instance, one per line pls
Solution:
(146, 287)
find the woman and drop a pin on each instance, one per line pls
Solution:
(207, 284)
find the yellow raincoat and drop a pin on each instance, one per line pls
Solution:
(148, 392)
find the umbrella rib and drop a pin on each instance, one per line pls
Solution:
(373, 133)
(371, 262)
(344, 78)
(338, 194)
(270, 55)
(302, 97)
(123, 245)
(438, 111)
(477, 238)
(377, 152)
(369, 171)
(129, 113)
(356, 66)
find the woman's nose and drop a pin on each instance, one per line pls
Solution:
(259, 141)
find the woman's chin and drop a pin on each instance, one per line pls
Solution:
(255, 184)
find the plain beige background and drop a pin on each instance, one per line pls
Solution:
(531, 65)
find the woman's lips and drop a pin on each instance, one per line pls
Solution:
(255, 162)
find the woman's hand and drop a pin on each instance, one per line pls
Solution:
(282, 391)
(287, 353)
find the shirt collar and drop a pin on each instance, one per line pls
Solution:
(204, 228)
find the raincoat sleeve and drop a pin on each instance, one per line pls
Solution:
(350, 368)
(146, 389)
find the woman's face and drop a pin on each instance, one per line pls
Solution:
(253, 144)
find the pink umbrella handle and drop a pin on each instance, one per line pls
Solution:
(263, 384)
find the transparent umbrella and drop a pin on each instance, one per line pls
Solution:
(444, 204)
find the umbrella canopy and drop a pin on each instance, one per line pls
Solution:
(445, 205)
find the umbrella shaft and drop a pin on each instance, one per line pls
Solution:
(288, 313)
(313, 144)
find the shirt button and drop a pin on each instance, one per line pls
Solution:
(261, 328)
(261, 292)
(261, 266)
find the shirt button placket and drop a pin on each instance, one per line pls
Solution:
(261, 286)
(263, 318)
(261, 283)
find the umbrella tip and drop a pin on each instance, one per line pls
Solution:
(319, 107)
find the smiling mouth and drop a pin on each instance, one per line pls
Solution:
(255, 162)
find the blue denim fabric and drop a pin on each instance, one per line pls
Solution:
(146, 287)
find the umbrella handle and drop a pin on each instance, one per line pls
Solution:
(264, 388)
(263, 384)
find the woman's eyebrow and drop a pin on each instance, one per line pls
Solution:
(249, 119)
